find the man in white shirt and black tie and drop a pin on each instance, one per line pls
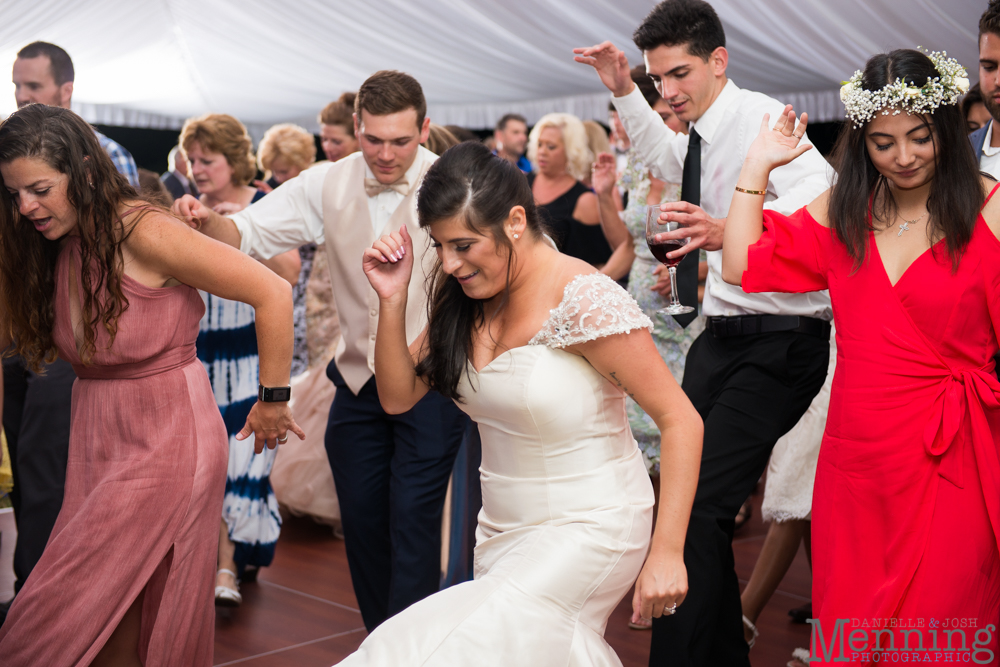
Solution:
(391, 471)
(762, 357)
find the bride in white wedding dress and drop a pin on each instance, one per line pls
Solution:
(540, 351)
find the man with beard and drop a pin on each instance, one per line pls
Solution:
(985, 141)
(511, 136)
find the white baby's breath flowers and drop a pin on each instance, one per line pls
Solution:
(947, 87)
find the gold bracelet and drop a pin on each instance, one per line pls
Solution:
(751, 192)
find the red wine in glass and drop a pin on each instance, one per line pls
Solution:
(660, 251)
(655, 226)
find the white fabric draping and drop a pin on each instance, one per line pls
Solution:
(152, 64)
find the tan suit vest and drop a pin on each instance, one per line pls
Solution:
(348, 232)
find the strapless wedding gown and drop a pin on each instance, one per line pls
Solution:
(567, 507)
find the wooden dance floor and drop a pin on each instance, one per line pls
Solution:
(302, 611)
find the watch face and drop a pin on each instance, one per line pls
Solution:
(281, 394)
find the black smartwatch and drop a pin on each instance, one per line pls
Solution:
(274, 394)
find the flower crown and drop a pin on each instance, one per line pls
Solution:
(862, 105)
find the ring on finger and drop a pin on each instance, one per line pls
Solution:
(282, 441)
(671, 610)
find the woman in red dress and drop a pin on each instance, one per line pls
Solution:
(110, 283)
(906, 509)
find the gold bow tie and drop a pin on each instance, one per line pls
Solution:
(373, 187)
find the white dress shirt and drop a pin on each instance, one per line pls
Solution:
(292, 215)
(727, 128)
(989, 161)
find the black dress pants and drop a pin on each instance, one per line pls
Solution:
(391, 473)
(749, 390)
(36, 412)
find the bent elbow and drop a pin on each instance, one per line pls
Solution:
(392, 407)
(731, 275)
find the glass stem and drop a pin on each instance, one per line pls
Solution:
(673, 286)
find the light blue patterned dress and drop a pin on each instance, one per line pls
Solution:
(671, 339)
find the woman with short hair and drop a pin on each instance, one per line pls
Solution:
(561, 159)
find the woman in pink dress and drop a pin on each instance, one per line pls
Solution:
(109, 283)
(906, 507)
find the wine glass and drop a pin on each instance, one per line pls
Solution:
(660, 249)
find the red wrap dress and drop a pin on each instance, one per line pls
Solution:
(906, 506)
(144, 485)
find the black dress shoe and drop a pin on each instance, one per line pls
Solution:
(801, 614)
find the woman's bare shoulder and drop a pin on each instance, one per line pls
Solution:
(818, 209)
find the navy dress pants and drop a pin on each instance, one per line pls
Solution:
(391, 473)
(36, 415)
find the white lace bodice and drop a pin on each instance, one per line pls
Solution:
(593, 306)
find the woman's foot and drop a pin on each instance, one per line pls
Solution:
(227, 589)
(743, 516)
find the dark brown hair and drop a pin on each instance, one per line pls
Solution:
(693, 23)
(340, 112)
(60, 63)
(468, 181)
(97, 192)
(861, 192)
(644, 84)
(973, 97)
(506, 118)
(389, 92)
(989, 22)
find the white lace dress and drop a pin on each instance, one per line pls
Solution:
(790, 474)
(567, 506)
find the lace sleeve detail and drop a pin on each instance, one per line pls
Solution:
(593, 306)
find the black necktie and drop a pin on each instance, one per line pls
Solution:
(687, 270)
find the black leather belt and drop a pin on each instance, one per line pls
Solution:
(746, 325)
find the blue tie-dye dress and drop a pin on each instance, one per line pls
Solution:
(227, 346)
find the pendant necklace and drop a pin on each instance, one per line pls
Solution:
(905, 225)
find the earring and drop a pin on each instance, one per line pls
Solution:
(517, 236)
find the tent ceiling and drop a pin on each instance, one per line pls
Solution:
(153, 64)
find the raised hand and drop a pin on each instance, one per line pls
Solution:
(611, 64)
(662, 585)
(269, 423)
(603, 174)
(389, 263)
(780, 145)
(191, 210)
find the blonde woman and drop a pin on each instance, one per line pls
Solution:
(561, 159)
(285, 152)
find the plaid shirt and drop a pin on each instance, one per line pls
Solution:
(122, 159)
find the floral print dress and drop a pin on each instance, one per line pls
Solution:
(671, 339)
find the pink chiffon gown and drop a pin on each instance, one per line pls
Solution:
(144, 487)
(906, 505)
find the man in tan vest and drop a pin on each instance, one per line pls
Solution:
(391, 471)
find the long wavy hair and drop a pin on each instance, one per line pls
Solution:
(470, 182)
(96, 191)
(861, 193)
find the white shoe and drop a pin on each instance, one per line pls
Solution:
(752, 628)
(226, 596)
